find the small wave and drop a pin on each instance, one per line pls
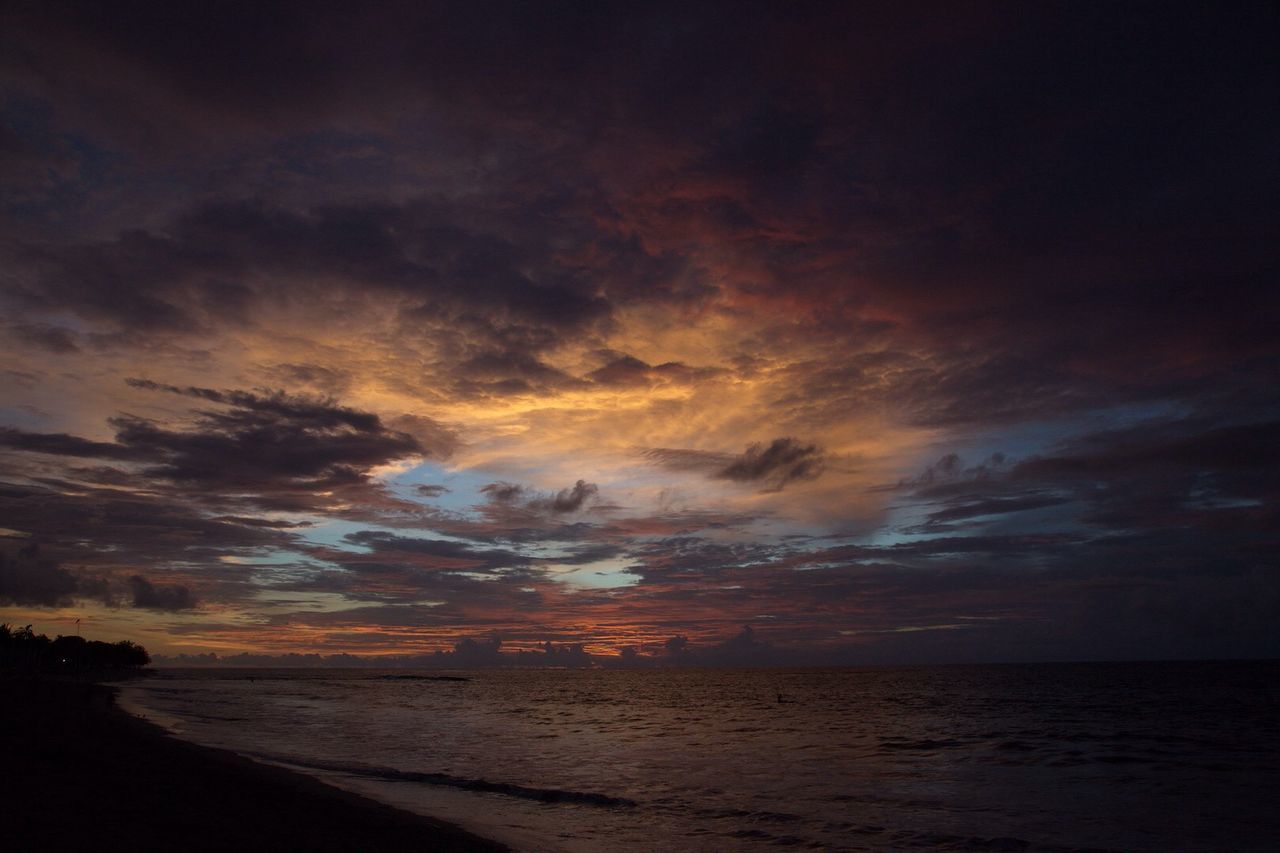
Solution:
(746, 814)
(943, 841)
(925, 745)
(510, 789)
(425, 678)
(1015, 746)
(214, 718)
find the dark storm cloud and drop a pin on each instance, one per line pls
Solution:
(683, 459)
(313, 377)
(1242, 450)
(264, 455)
(685, 560)
(571, 499)
(456, 555)
(960, 510)
(1166, 539)
(273, 524)
(839, 134)
(503, 492)
(505, 373)
(28, 579)
(259, 441)
(61, 444)
(416, 249)
(623, 370)
(107, 526)
(464, 582)
(1164, 475)
(243, 452)
(962, 217)
(217, 263)
(1156, 540)
(379, 583)
(581, 555)
(1025, 597)
(512, 496)
(54, 339)
(151, 596)
(782, 461)
(321, 412)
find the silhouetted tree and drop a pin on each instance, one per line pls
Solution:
(24, 649)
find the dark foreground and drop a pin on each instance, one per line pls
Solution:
(78, 773)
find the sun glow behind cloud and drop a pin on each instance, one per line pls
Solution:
(766, 322)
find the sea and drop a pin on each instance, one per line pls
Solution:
(1099, 756)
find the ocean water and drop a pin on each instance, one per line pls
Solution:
(1167, 756)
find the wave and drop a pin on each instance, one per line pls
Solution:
(920, 745)
(510, 789)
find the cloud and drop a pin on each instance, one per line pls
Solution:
(117, 530)
(503, 492)
(28, 580)
(783, 461)
(681, 459)
(263, 442)
(437, 553)
(626, 370)
(1252, 448)
(721, 225)
(152, 596)
(567, 500)
(499, 292)
(54, 339)
(61, 444)
(571, 499)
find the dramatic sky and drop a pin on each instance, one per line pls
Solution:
(890, 331)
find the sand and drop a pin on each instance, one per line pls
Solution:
(77, 773)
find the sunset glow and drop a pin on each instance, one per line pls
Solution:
(624, 325)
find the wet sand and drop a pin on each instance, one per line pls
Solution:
(77, 773)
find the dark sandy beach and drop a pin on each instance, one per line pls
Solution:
(78, 773)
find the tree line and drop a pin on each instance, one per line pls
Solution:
(23, 649)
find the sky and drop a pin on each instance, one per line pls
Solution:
(827, 333)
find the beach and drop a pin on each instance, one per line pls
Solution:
(79, 773)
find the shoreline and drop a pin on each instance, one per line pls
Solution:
(79, 771)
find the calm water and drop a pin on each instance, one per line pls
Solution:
(1094, 756)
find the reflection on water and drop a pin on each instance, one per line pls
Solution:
(1105, 756)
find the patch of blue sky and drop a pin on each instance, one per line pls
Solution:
(463, 486)
(601, 574)
(899, 519)
(267, 569)
(271, 557)
(23, 417)
(333, 533)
